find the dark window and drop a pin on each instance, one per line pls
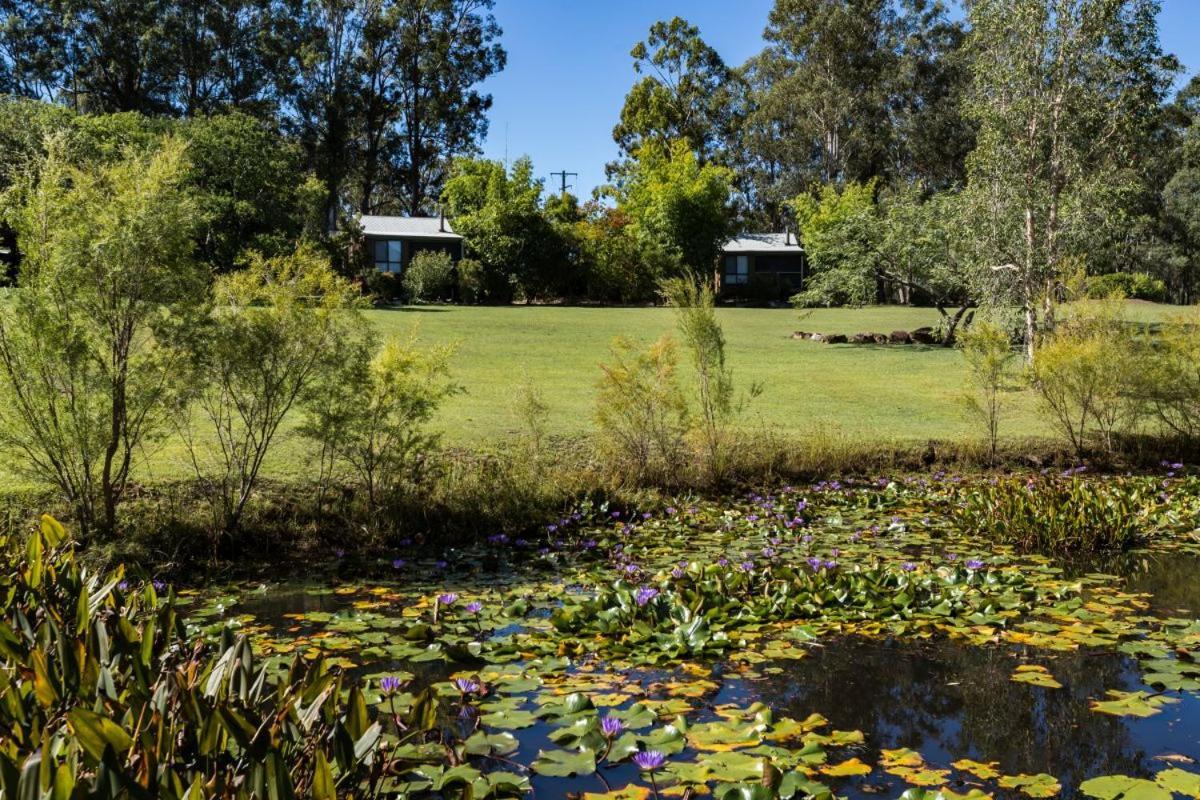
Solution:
(388, 255)
(737, 270)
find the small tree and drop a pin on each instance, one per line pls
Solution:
(641, 414)
(704, 338)
(279, 325)
(92, 344)
(370, 416)
(989, 354)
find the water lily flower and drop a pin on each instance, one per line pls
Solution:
(474, 607)
(645, 594)
(974, 563)
(123, 586)
(670, 511)
(723, 562)
(649, 760)
(677, 573)
(398, 563)
(466, 685)
(158, 585)
(611, 726)
(908, 566)
(815, 563)
(747, 566)
(442, 563)
(389, 684)
(447, 599)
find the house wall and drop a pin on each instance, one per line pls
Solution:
(378, 246)
(770, 275)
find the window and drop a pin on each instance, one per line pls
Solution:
(387, 255)
(737, 270)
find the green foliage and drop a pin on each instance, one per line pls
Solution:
(279, 327)
(684, 94)
(106, 696)
(91, 344)
(696, 609)
(704, 338)
(989, 353)
(1088, 376)
(500, 217)
(370, 415)
(616, 268)
(641, 413)
(1134, 285)
(1171, 378)
(1058, 514)
(841, 234)
(429, 276)
(1059, 93)
(679, 209)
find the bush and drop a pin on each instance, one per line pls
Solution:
(370, 416)
(1133, 285)
(1057, 513)
(641, 413)
(989, 354)
(429, 276)
(1172, 385)
(1089, 376)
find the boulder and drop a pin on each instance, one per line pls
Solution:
(900, 337)
(924, 336)
(880, 338)
(816, 337)
(835, 338)
(862, 338)
(801, 335)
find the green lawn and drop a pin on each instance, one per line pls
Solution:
(880, 393)
(875, 392)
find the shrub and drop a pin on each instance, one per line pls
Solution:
(106, 696)
(370, 416)
(279, 326)
(1133, 285)
(641, 413)
(429, 276)
(989, 353)
(1057, 513)
(1088, 376)
(1172, 385)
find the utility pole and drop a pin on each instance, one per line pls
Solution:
(564, 175)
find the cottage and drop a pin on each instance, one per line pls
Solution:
(393, 241)
(764, 263)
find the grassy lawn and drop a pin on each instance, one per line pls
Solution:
(873, 392)
(878, 393)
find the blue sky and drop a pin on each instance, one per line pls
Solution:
(569, 69)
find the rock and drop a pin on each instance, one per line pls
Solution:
(880, 338)
(816, 337)
(862, 338)
(900, 337)
(924, 336)
(835, 338)
(801, 335)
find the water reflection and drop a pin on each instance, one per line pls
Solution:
(951, 701)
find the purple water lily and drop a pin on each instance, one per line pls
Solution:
(645, 594)
(466, 685)
(974, 563)
(389, 684)
(649, 760)
(611, 726)
(908, 566)
(398, 563)
(474, 607)
(447, 599)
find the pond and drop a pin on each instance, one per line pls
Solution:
(828, 640)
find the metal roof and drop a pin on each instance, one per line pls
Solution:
(420, 227)
(763, 243)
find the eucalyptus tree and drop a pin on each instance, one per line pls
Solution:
(1061, 92)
